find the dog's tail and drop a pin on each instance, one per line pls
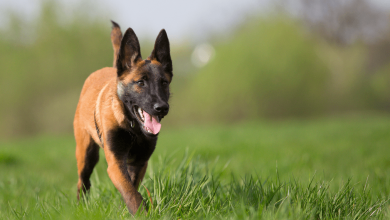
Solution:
(116, 37)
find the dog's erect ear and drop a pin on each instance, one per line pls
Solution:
(116, 37)
(129, 52)
(161, 51)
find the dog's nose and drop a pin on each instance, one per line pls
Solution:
(161, 107)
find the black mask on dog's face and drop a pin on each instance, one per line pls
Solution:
(143, 85)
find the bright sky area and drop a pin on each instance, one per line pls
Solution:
(181, 19)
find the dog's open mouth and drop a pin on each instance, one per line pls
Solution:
(150, 123)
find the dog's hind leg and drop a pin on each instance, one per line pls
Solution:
(87, 155)
(116, 37)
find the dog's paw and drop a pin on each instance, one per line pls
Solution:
(137, 205)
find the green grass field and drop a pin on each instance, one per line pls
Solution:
(315, 169)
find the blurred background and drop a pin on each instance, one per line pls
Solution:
(233, 60)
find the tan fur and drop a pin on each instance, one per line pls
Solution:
(100, 111)
(93, 89)
(99, 96)
(116, 36)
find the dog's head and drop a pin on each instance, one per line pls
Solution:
(143, 85)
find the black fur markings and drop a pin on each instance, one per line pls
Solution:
(120, 141)
(130, 149)
(147, 61)
(161, 51)
(91, 159)
(97, 129)
(129, 52)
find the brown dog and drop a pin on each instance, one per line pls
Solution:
(119, 110)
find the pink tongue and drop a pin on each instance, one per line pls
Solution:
(152, 123)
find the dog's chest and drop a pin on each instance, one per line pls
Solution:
(136, 149)
(141, 150)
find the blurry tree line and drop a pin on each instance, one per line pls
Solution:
(331, 57)
(312, 58)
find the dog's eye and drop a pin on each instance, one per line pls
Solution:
(141, 83)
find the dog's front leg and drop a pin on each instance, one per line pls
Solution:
(117, 171)
(137, 173)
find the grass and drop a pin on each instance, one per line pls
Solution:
(319, 169)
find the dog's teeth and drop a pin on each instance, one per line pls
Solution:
(147, 129)
(141, 114)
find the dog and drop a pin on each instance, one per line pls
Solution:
(119, 110)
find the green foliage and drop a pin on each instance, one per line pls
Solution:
(229, 172)
(268, 68)
(379, 88)
(272, 68)
(44, 65)
(43, 72)
(7, 159)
